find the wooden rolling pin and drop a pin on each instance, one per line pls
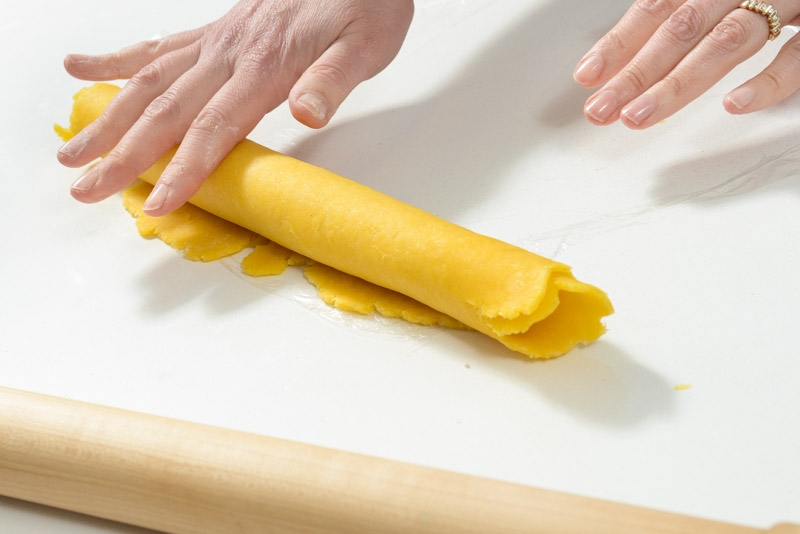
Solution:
(181, 477)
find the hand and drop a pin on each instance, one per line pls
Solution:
(208, 88)
(665, 53)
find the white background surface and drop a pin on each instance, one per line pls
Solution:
(690, 227)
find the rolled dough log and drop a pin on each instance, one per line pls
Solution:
(531, 304)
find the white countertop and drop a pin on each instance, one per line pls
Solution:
(691, 227)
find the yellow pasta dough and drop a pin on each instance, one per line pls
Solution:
(350, 293)
(529, 303)
(268, 260)
(206, 237)
(199, 234)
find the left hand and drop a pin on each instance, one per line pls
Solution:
(207, 88)
(665, 53)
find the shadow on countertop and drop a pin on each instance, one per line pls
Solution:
(600, 384)
(447, 152)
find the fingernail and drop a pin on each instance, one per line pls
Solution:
(315, 104)
(602, 106)
(588, 70)
(742, 97)
(85, 183)
(640, 109)
(75, 146)
(79, 60)
(158, 196)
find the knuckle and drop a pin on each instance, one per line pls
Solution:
(655, 10)
(686, 24)
(262, 56)
(329, 75)
(229, 35)
(637, 78)
(231, 39)
(209, 138)
(676, 84)
(164, 108)
(774, 78)
(729, 35)
(222, 48)
(104, 123)
(176, 172)
(116, 171)
(114, 163)
(616, 40)
(148, 76)
(151, 47)
(210, 121)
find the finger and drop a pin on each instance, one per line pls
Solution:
(124, 110)
(623, 41)
(126, 62)
(736, 38)
(161, 126)
(258, 86)
(774, 84)
(353, 58)
(325, 84)
(674, 40)
(225, 120)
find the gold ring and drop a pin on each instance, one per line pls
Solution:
(769, 12)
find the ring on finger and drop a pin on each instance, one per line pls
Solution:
(769, 12)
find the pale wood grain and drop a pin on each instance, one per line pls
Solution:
(182, 477)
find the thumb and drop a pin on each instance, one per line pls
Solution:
(323, 87)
